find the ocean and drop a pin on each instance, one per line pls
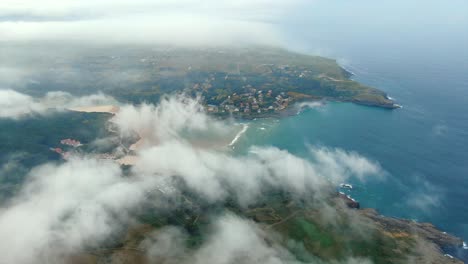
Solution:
(423, 147)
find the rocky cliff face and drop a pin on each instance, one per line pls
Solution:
(429, 240)
(350, 202)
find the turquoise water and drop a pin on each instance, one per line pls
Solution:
(423, 147)
(418, 160)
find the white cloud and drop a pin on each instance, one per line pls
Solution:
(232, 240)
(62, 208)
(65, 207)
(170, 119)
(11, 75)
(440, 130)
(239, 241)
(62, 100)
(426, 197)
(16, 105)
(183, 22)
(337, 163)
(68, 8)
(214, 174)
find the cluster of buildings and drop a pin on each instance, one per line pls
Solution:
(105, 156)
(65, 154)
(68, 142)
(252, 102)
(71, 142)
(75, 143)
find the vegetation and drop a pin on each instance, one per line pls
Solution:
(22, 149)
(299, 226)
(245, 82)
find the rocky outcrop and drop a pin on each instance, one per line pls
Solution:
(350, 202)
(425, 232)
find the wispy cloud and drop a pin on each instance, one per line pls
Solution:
(15, 105)
(426, 197)
(232, 240)
(338, 163)
(62, 208)
(182, 22)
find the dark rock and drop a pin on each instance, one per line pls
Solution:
(350, 202)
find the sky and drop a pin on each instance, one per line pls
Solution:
(222, 22)
(182, 22)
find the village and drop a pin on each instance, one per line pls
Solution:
(252, 102)
(66, 142)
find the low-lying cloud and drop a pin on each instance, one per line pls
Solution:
(426, 197)
(15, 105)
(232, 240)
(181, 22)
(64, 208)
(338, 163)
(172, 117)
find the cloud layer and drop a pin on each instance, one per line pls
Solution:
(64, 208)
(182, 22)
(16, 105)
(232, 240)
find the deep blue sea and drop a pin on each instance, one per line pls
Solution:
(423, 147)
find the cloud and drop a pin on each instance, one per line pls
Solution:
(16, 105)
(426, 197)
(439, 130)
(63, 208)
(170, 119)
(57, 8)
(11, 75)
(82, 202)
(239, 241)
(215, 174)
(62, 100)
(183, 22)
(337, 163)
(232, 240)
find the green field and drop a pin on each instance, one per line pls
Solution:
(26, 142)
(222, 77)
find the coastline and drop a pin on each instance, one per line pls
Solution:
(238, 135)
(111, 109)
(444, 243)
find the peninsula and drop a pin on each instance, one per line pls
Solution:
(239, 82)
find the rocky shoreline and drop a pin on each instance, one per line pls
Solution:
(440, 242)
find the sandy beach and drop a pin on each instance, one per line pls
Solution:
(111, 109)
(128, 160)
